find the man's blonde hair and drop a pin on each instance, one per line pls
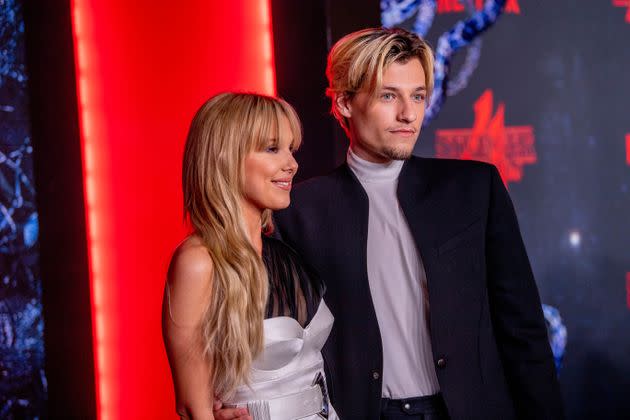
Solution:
(358, 60)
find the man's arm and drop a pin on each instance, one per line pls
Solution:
(517, 315)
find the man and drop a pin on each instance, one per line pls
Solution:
(436, 310)
(427, 275)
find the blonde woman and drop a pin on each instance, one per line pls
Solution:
(243, 318)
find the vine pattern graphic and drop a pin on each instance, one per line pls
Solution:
(465, 33)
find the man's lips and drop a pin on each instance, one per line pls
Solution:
(405, 132)
(284, 184)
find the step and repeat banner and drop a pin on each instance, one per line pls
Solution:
(541, 89)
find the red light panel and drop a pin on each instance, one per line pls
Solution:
(143, 68)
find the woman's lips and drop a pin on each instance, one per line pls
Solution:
(284, 185)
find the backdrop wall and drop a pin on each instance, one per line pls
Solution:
(544, 94)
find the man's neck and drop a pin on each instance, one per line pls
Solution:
(368, 171)
(370, 157)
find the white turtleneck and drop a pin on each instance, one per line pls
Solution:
(397, 284)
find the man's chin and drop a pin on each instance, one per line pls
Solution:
(398, 153)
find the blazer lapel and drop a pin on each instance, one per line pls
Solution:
(352, 206)
(415, 198)
(423, 213)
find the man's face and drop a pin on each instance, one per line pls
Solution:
(386, 126)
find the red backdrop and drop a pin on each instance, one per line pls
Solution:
(143, 68)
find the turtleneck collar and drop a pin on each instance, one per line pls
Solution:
(368, 171)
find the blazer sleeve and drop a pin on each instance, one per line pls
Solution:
(516, 313)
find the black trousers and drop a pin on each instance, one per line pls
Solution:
(431, 407)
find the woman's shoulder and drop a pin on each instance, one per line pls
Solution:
(189, 280)
(190, 263)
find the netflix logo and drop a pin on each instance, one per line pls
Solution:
(457, 6)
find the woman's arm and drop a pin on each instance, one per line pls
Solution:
(186, 294)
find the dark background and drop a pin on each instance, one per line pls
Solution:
(563, 68)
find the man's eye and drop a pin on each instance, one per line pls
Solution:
(418, 98)
(387, 96)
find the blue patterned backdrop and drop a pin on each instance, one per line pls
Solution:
(22, 378)
(542, 90)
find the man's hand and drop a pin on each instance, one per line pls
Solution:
(221, 413)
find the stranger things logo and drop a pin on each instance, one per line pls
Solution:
(623, 3)
(489, 140)
(458, 6)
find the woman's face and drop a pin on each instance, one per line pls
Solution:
(268, 173)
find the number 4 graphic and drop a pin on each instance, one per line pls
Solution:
(623, 3)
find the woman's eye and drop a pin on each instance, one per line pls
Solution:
(272, 149)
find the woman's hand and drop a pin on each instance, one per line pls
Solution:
(221, 413)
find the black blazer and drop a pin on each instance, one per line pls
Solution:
(488, 334)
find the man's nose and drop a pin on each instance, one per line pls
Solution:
(407, 112)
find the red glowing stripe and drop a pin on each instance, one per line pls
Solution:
(628, 290)
(628, 149)
(267, 39)
(91, 194)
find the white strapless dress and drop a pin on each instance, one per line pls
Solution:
(287, 378)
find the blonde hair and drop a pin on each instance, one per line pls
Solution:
(223, 131)
(358, 60)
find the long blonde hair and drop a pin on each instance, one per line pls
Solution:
(224, 130)
(358, 60)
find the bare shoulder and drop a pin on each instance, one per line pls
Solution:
(190, 262)
(189, 284)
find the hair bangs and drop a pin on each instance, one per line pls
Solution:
(266, 128)
(294, 123)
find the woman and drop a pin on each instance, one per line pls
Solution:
(243, 319)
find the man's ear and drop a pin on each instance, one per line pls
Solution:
(342, 103)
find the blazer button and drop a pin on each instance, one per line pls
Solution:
(441, 363)
(376, 375)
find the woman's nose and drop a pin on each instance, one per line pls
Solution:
(291, 165)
